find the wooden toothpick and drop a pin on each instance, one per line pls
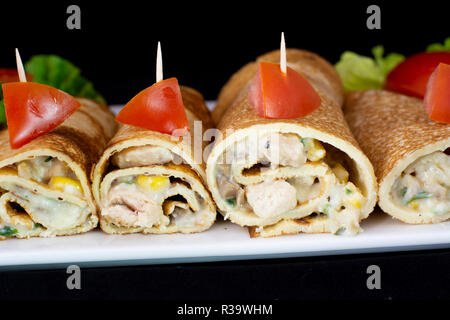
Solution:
(283, 54)
(159, 67)
(20, 69)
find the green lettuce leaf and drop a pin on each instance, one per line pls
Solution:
(2, 112)
(362, 73)
(439, 46)
(2, 108)
(60, 73)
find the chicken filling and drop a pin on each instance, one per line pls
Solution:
(51, 172)
(144, 156)
(148, 201)
(279, 174)
(154, 201)
(424, 186)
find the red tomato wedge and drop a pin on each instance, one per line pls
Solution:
(278, 95)
(33, 109)
(158, 108)
(437, 96)
(411, 76)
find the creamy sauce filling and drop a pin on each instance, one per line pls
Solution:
(343, 207)
(424, 186)
(51, 213)
(342, 201)
(38, 213)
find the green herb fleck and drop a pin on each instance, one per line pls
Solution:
(340, 232)
(348, 191)
(7, 231)
(48, 159)
(326, 208)
(37, 225)
(403, 191)
(231, 201)
(420, 195)
(304, 141)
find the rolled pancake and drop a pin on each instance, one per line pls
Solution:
(321, 181)
(45, 186)
(151, 182)
(410, 154)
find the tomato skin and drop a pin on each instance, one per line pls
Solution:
(33, 109)
(159, 108)
(276, 95)
(437, 96)
(255, 95)
(11, 75)
(411, 76)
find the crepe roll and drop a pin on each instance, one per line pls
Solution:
(410, 154)
(285, 176)
(150, 182)
(44, 186)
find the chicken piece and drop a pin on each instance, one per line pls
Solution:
(129, 208)
(142, 156)
(271, 198)
(281, 149)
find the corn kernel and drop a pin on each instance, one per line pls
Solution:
(414, 204)
(65, 184)
(356, 203)
(353, 195)
(340, 173)
(314, 149)
(152, 183)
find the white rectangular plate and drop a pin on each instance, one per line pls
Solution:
(224, 241)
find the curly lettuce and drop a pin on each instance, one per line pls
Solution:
(434, 47)
(362, 73)
(60, 73)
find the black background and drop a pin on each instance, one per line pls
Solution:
(203, 44)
